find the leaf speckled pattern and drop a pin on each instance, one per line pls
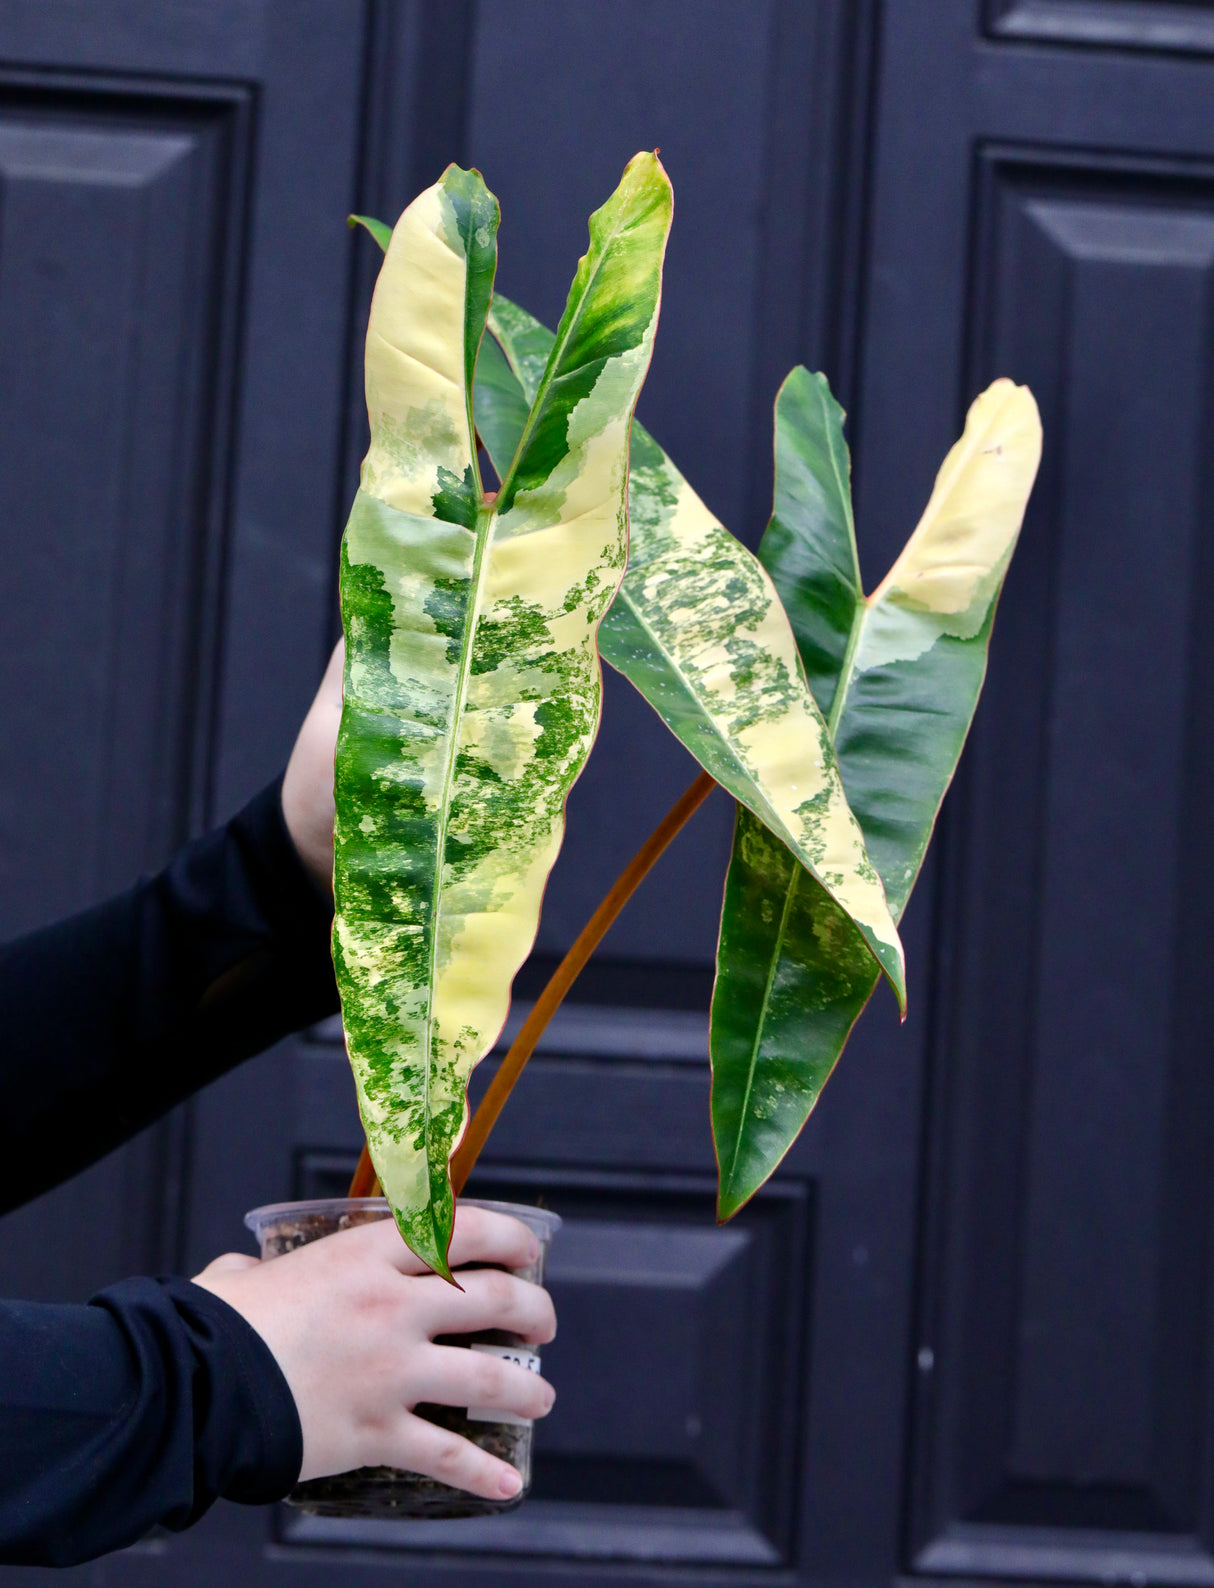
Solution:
(899, 674)
(698, 628)
(472, 686)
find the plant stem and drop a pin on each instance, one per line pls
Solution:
(365, 1182)
(566, 974)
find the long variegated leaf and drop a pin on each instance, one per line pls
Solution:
(899, 674)
(472, 682)
(698, 629)
(679, 543)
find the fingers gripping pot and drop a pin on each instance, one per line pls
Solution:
(388, 1492)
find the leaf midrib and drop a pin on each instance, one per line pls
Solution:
(847, 668)
(484, 519)
(760, 1025)
(483, 532)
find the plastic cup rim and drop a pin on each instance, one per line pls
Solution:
(540, 1221)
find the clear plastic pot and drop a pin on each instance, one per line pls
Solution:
(388, 1492)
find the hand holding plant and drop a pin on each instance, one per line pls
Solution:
(351, 1320)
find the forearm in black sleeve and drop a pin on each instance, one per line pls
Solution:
(113, 1016)
(141, 1408)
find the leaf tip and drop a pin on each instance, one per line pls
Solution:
(891, 958)
(645, 167)
(731, 1201)
(380, 230)
(428, 1247)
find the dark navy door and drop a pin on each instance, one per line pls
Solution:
(964, 1332)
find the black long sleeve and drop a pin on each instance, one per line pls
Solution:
(156, 1398)
(115, 1015)
(142, 1407)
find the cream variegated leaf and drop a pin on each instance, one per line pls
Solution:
(899, 674)
(472, 684)
(698, 628)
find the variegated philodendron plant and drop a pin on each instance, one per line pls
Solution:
(474, 625)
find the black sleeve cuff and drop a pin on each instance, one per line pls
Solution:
(248, 1445)
(142, 1408)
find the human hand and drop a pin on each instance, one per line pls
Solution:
(307, 788)
(351, 1321)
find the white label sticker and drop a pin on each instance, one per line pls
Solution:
(517, 1354)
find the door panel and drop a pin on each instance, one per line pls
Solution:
(1062, 1421)
(115, 218)
(1140, 24)
(1084, 1099)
